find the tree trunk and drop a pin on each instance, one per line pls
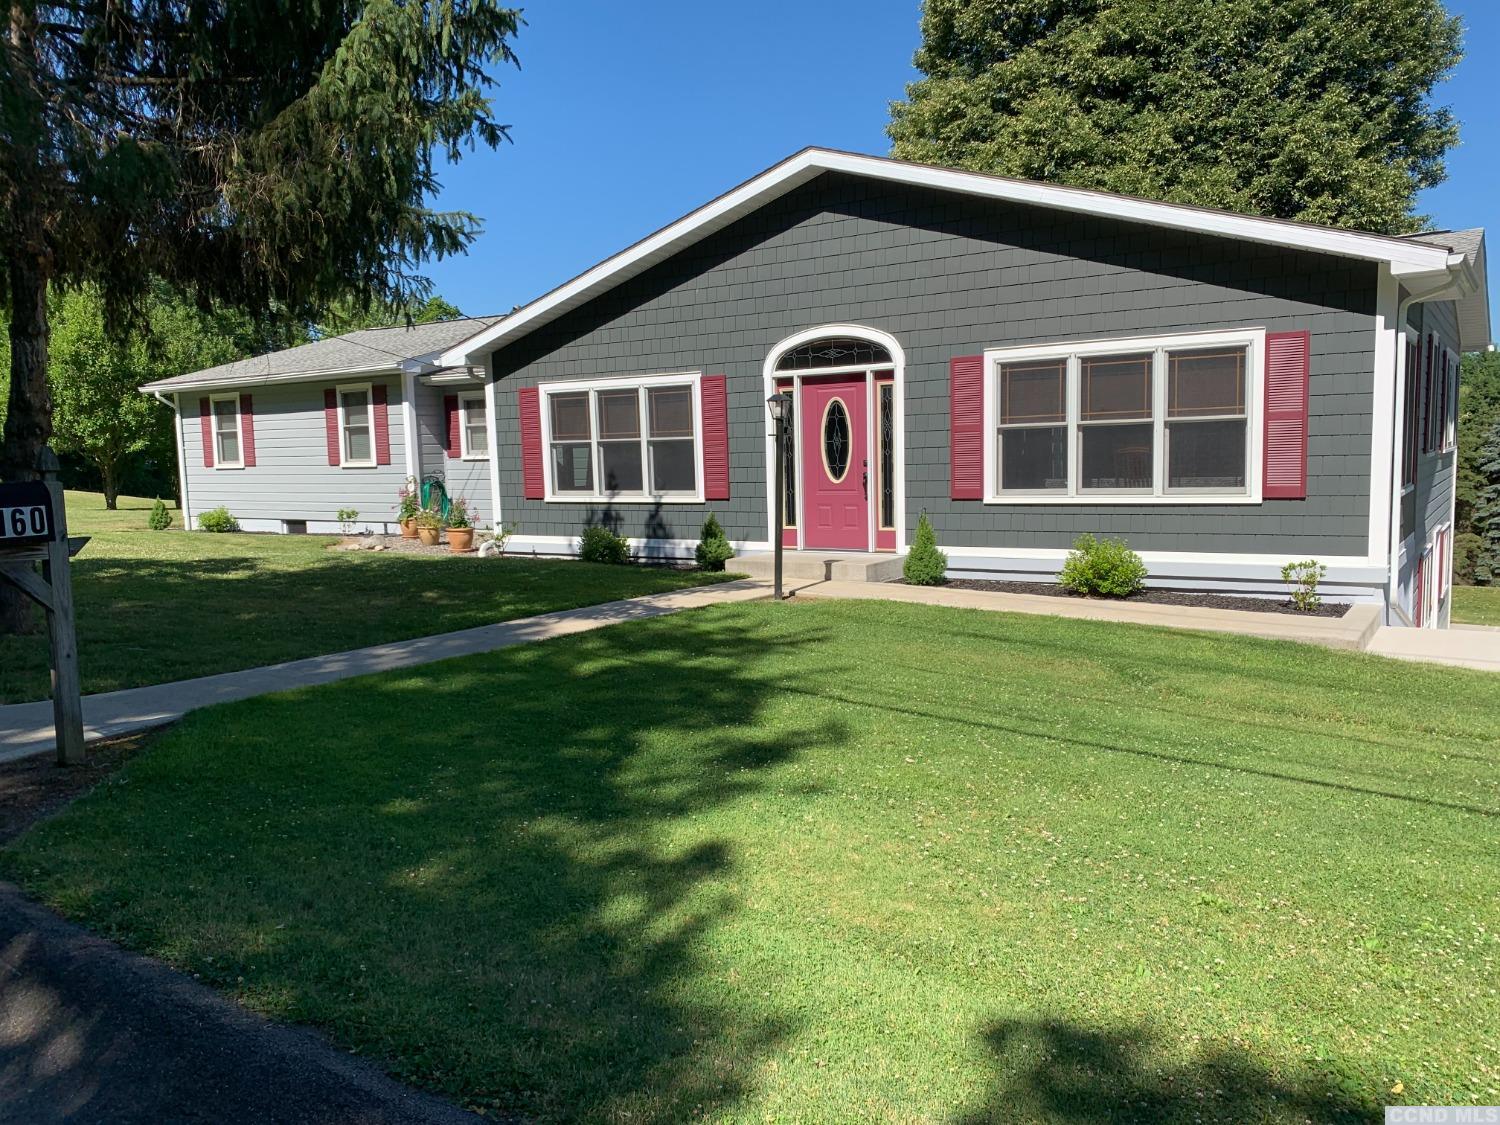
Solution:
(111, 484)
(28, 419)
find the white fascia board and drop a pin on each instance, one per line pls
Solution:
(1404, 256)
(271, 380)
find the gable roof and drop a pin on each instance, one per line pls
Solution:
(365, 351)
(1407, 258)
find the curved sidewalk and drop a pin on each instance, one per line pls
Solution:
(26, 728)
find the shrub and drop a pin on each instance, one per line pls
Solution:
(346, 517)
(1303, 577)
(925, 565)
(713, 545)
(601, 545)
(217, 519)
(160, 519)
(1102, 568)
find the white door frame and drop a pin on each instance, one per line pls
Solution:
(898, 368)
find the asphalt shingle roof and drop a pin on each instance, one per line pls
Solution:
(362, 349)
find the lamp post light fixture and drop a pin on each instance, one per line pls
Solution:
(777, 405)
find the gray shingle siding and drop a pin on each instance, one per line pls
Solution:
(948, 275)
(291, 479)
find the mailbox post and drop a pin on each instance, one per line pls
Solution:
(34, 528)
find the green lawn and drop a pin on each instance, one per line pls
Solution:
(162, 605)
(840, 861)
(1476, 605)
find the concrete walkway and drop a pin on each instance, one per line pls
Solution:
(1463, 646)
(26, 728)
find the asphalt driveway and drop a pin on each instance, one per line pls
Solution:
(92, 1034)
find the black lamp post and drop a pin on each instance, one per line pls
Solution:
(777, 405)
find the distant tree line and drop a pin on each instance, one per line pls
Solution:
(113, 439)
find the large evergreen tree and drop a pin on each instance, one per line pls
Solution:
(1298, 109)
(1487, 510)
(257, 153)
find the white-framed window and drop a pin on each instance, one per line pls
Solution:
(228, 432)
(356, 427)
(1154, 419)
(1450, 403)
(623, 439)
(473, 431)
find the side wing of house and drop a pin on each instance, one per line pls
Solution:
(288, 457)
(932, 277)
(1429, 444)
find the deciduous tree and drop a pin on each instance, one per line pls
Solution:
(1298, 109)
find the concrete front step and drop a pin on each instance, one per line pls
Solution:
(821, 566)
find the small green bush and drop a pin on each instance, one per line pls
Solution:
(1102, 568)
(601, 545)
(160, 519)
(346, 517)
(1303, 577)
(217, 519)
(925, 564)
(713, 545)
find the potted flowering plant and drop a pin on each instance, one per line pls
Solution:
(408, 504)
(429, 526)
(461, 519)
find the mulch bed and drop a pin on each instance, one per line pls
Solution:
(34, 788)
(399, 544)
(1152, 596)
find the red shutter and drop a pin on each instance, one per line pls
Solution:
(1288, 357)
(966, 427)
(382, 424)
(247, 429)
(1427, 374)
(331, 424)
(206, 422)
(454, 446)
(715, 404)
(529, 406)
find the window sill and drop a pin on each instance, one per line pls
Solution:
(624, 498)
(228, 468)
(1142, 499)
(475, 457)
(358, 465)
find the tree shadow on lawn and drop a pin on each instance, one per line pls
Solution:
(156, 620)
(485, 874)
(1057, 1070)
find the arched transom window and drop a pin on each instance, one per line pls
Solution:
(834, 351)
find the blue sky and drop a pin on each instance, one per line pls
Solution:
(625, 117)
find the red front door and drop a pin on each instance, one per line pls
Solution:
(835, 475)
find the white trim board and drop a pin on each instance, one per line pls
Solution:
(1404, 257)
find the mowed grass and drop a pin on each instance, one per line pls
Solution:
(840, 861)
(1476, 605)
(154, 606)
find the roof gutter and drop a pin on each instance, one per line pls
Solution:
(268, 379)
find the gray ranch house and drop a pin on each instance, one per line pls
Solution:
(1022, 362)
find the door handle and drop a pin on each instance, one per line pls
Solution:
(864, 480)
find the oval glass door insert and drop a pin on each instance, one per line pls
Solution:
(836, 446)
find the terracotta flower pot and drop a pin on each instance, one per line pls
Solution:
(460, 539)
(428, 535)
(409, 528)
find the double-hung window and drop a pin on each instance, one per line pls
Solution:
(355, 431)
(1164, 418)
(229, 445)
(623, 439)
(473, 428)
